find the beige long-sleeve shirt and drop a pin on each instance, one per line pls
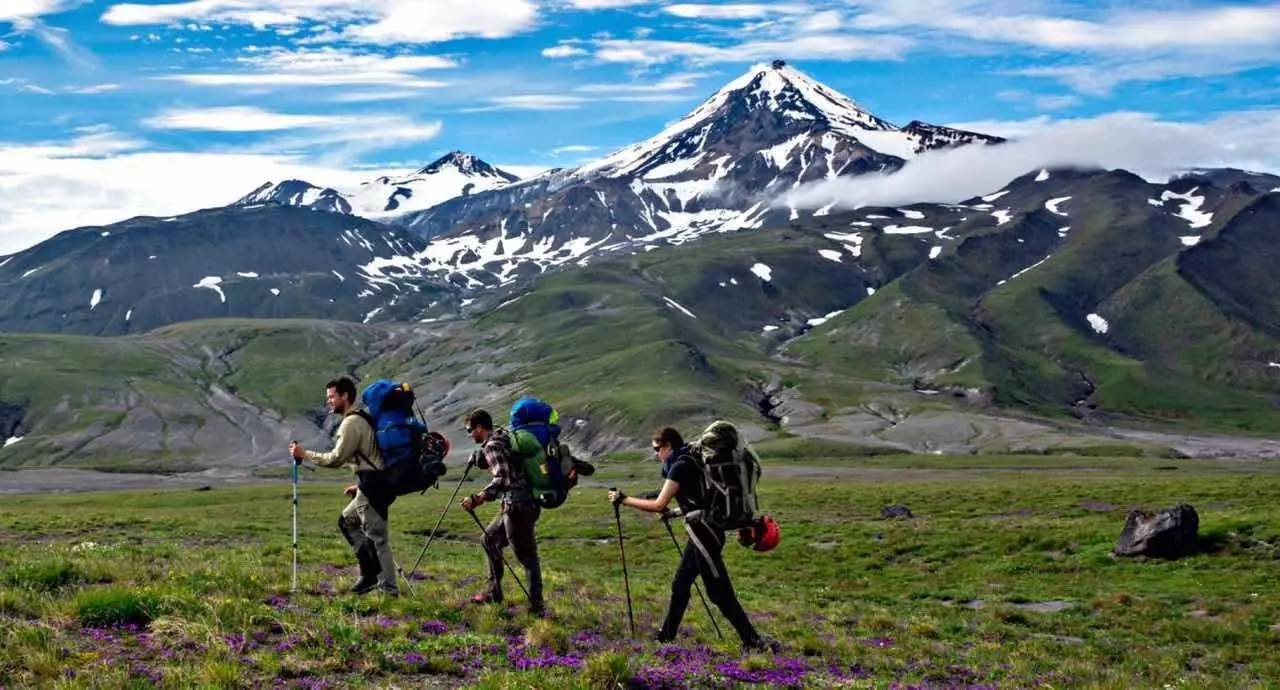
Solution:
(354, 445)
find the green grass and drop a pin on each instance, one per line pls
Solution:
(184, 588)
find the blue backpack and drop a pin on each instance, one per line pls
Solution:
(412, 455)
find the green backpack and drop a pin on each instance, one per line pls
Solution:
(530, 450)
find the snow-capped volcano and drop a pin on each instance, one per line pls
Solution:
(455, 174)
(452, 175)
(719, 168)
(779, 114)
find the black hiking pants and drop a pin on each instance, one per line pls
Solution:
(703, 556)
(514, 525)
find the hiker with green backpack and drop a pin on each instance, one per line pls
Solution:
(713, 483)
(517, 516)
(532, 471)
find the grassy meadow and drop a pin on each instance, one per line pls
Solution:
(1003, 579)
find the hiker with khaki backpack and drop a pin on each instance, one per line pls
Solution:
(713, 483)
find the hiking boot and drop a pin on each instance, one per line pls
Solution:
(761, 645)
(389, 591)
(486, 598)
(364, 585)
(538, 610)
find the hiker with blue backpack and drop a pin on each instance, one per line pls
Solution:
(392, 454)
(713, 483)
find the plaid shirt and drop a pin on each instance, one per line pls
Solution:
(507, 467)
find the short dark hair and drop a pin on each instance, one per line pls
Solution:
(344, 386)
(479, 418)
(666, 436)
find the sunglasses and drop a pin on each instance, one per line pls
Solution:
(656, 448)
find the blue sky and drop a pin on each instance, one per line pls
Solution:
(113, 109)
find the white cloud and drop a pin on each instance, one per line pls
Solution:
(842, 47)
(674, 82)
(573, 148)
(243, 119)
(369, 96)
(732, 11)
(605, 4)
(532, 101)
(563, 50)
(1110, 48)
(324, 66)
(5, 45)
(412, 21)
(351, 135)
(1136, 142)
(15, 11)
(93, 88)
(62, 187)
(370, 21)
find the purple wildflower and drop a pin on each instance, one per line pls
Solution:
(414, 659)
(277, 601)
(434, 627)
(385, 622)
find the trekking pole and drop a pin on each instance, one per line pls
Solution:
(626, 578)
(479, 524)
(432, 536)
(666, 520)
(293, 587)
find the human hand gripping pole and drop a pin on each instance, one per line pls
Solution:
(618, 498)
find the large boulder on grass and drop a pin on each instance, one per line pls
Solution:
(896, 512)
(1169, 533)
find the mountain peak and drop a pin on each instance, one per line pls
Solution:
(467, 164)
(296, 193)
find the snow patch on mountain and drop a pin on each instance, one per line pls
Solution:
(676, 305)
(906, 230)
(1190, 209)
(1023, 271)
(95, 299)
(762, 271)
(1098, 324)
(823, 319)
(830, 255)
(1042, 176)
(212, 283)
(1052, 205)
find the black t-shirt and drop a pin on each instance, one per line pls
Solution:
(684, 471)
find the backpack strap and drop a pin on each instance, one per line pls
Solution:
(364, 414)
